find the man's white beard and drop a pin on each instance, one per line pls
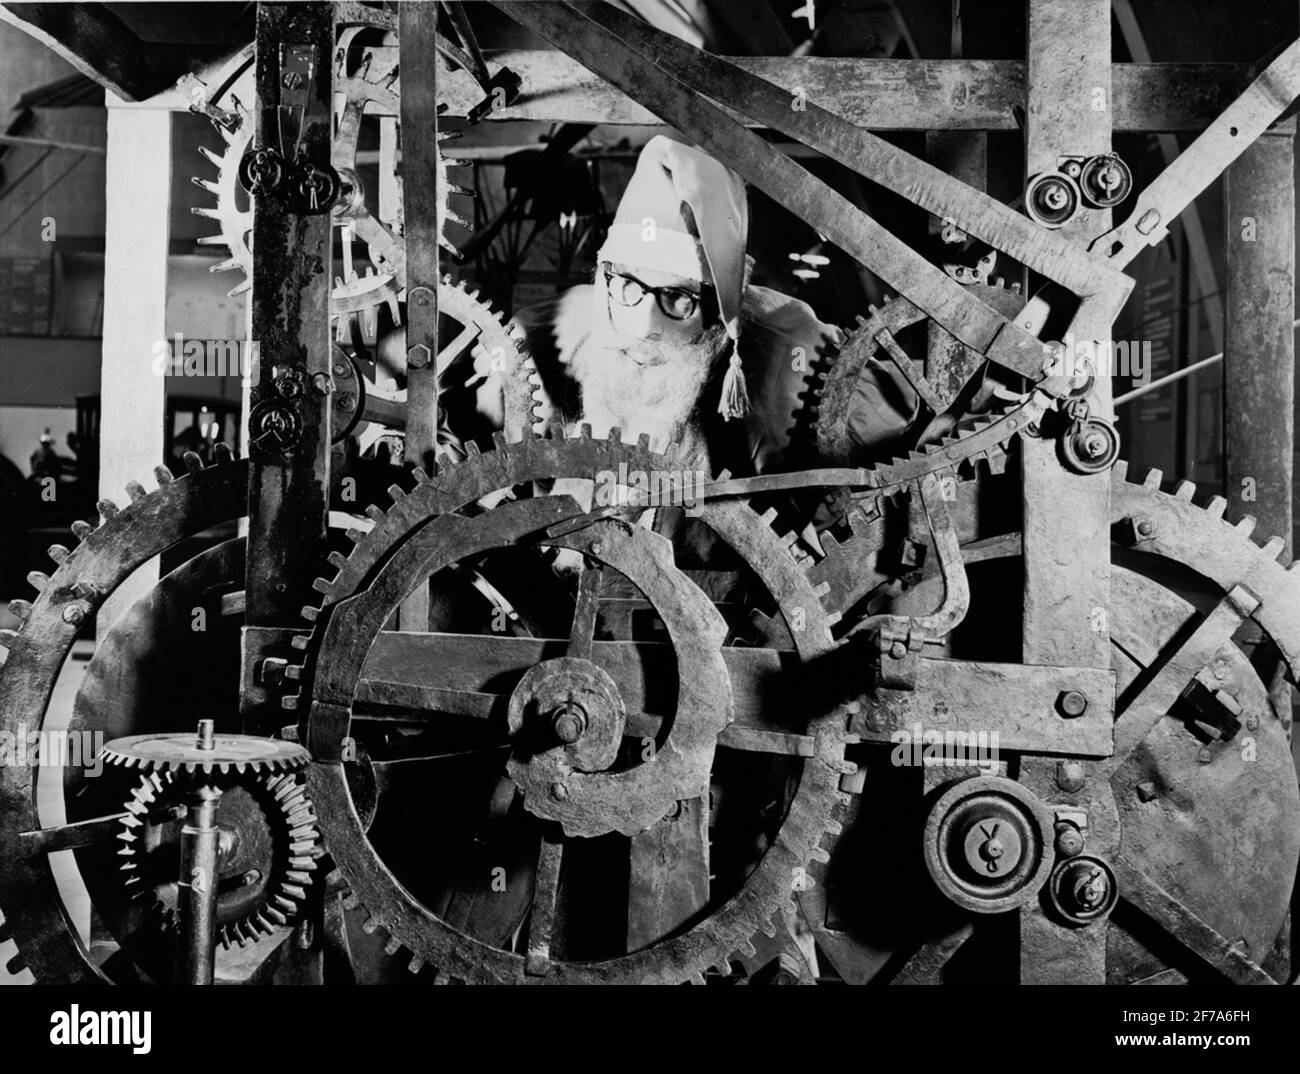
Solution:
(645, 386)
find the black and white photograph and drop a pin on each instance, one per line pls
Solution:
(730, 493)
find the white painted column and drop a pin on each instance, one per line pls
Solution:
(132, 396)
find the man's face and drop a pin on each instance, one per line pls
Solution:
(674, 315)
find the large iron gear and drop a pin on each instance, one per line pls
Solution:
(105, 556)
(374, 571)
(1183, 826)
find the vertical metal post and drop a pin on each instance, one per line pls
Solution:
(1067, 516)
(418, 24)
(1259, 349)
(196, 940)
(132, 396)
(289, 418)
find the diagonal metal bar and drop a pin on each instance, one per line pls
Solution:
(1144, 894)
(947, 302)
(972, 210)
(1222, 142)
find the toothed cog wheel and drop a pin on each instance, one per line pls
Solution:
(267, 852)
(579, 751)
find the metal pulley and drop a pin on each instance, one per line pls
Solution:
(1052, 199)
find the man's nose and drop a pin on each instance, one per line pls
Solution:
(643, 319)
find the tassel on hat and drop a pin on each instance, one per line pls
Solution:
(735, 390)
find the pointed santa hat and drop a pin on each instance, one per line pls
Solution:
(684, 213)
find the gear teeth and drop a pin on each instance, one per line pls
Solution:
(222, 454)
(499, 440)
(415, 965)
(1153, 479)
(584, 431)
(396, 494)
(1184, 490)
(471, 448)
(300, 641)
(440, 978)
(375, 514)
(135, 491)
(392, 947)
(81, 529)
(1274, 548)
(289, 703)
(107, 509)
(615, 435)
(15, 965)
(21, 608)
(293, 672)
(371, 925)
(321, 585)
(354, 535)
(747, 951)
(643, 441)
(769, 516)
(58, 553)
(205, 184)
(1216, 506)
(695, 979)
(38, 580)
(337, 559)
(1120, 469)
(421, 477)
(1246, 526)
(192, 462)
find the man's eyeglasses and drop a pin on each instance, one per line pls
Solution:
(676, 302)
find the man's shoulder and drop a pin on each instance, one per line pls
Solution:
(786, 319)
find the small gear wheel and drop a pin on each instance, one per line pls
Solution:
(268, 848)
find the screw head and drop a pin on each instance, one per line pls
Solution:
(1205, 755)
(1072, 703)
(1094, 446)
(1069, 775)
(1146, 791)
(74, 614)
(292, 80)
(568, 723)
(898, 650)
(1069, 840)
(1146, 528)
(559, 792)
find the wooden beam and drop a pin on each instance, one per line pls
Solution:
(102, 47)
(926, 95)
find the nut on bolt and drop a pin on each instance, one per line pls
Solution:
(1072, 703)
(418, 356)
(1069, 840)
(1069, 775)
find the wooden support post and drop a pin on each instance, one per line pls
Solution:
(289, 414)
(132, 395)
(1259, 350)
(1067, 516)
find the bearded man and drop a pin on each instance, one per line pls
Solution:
(671, 340)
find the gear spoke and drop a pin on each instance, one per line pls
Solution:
(546, 890)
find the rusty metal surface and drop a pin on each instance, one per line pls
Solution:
(720, 933)
(288, 494)
(126, 538)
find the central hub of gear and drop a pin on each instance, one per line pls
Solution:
(573, 702)
(987, 843)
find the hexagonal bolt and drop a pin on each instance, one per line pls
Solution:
(1147, 791)
(1069, 775)
(1072, 703)
(418, 356)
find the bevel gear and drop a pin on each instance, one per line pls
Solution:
(268, 852)
(105, 556)
(390, 906)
